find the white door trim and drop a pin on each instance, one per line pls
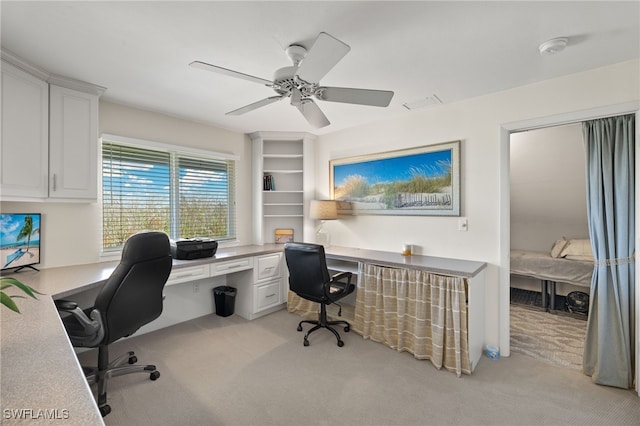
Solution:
(505, 214)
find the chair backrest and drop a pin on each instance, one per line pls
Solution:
(132, 296)
(307, 270)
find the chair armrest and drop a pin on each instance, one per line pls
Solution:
(337, 278)
(91, 326)
(65, 305)
(342, 275)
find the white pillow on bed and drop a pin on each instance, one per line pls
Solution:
(577, 250)
(558, 246)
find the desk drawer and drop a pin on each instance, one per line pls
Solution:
(266, 295)
(229, 266)
(190, 273)
(268, 266)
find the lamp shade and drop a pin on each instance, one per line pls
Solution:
(323, 209)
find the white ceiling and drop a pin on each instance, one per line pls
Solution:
(140, 51)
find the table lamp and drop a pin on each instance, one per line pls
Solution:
(323, 210)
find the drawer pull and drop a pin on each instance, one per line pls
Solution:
(181, 276)
(270, 295)
(233, 266)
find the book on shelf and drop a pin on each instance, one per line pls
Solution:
(268, 183)
(284, 236)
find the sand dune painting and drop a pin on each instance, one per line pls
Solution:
(417, 181)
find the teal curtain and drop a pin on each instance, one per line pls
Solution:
(609, 355)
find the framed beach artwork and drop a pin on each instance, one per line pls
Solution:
(417, 181)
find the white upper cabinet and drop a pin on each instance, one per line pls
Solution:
(25, 134)
(49, 147)
(73, 144)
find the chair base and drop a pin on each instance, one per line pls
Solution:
(322, 322)
(106, 370)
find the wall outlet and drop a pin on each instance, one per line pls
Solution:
(196, 287)
(463, 225)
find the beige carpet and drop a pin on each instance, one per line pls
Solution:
(555, 339)
(229, 371)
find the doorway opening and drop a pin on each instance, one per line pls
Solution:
(548, 220)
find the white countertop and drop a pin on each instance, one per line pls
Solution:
(436, 265)
(39, 372)
(63, 281)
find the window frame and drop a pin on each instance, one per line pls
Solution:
(175, 151)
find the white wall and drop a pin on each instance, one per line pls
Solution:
(72, 231)
(548, 187)
(477, 122)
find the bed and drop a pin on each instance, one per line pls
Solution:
(570, 261)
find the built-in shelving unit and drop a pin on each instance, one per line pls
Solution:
(283, 187)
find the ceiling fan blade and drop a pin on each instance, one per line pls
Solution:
(231, 73)
(312, 113)
(380, 98)
(325, 53)
(255, 105)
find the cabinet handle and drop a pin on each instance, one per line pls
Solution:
(232, 266)
(55, 182)
(182, 275)
(270, 295)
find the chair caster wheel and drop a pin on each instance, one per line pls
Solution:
(133, 359)
(340, 343)
(346, 329)
(299, 328)
(306, 342)
(155, 375)
(105, 409)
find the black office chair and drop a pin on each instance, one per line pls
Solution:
(309, 278)
(130, 298)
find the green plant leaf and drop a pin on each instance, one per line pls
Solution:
(6, 301)
(9, 281)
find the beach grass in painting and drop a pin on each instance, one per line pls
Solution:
(418, 181)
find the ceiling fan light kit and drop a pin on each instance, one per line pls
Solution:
(301, 81)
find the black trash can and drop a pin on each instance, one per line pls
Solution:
(225, 299)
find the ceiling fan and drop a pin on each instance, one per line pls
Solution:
(302, 81)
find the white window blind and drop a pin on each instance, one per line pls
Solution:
(184, 195)
(204, 191)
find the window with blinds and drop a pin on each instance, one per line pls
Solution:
(181, 194)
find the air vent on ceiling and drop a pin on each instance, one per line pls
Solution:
(421, 103)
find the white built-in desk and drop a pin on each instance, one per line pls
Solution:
(41, 377)
(349, 259)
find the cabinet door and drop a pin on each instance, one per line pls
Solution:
(25, 134)
(73, 144)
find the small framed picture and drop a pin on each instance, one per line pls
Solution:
(284, 236)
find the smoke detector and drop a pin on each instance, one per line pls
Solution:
(552, 46)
